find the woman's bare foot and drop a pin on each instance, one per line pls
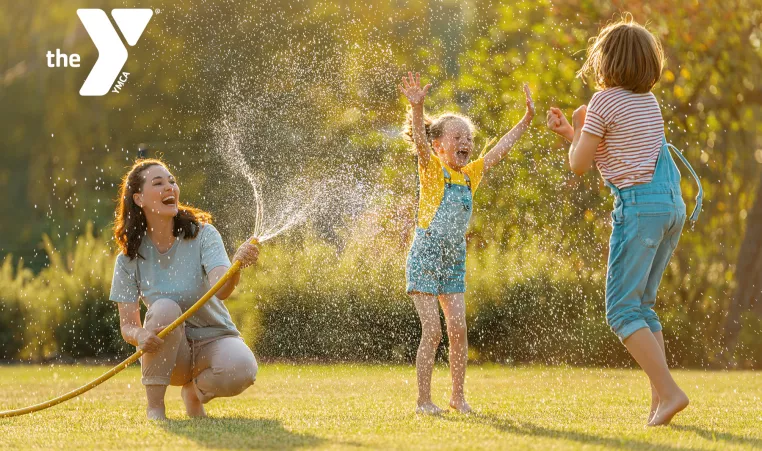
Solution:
(428, 408)
(668, 408)
(155, 402)
(460, 405)
(193, 406)
(156, 413)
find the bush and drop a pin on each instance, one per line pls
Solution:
(315, 304)
(12, 318)
(66, 306)
(87, 322)
(306, 300)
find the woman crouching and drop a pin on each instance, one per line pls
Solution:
(171, 255)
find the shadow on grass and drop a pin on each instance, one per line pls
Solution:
(715, 436)
(239, 433)
(531, 430)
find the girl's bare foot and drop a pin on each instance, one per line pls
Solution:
(193, 406)
(156, 413)
(428, 408)
(654, 406)
(460, 405)
(668, 408)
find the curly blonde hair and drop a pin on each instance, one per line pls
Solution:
(434, 127)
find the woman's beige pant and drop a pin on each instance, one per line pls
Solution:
(219, 367)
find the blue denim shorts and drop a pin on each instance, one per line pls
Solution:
(436, 264)
(646, 228)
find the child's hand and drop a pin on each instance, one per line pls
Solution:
(529, 115)
(411, 88)
(508, 140)
(578, 117)
(557, 123)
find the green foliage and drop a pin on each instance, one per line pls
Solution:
(322, 77)
(64, 310)
(12, 321)
(317, 304)
(87, 322)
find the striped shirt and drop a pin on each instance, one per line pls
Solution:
(631, 128)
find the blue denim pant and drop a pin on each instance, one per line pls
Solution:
(647, 222)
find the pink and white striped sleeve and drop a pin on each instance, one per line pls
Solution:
(595, 123)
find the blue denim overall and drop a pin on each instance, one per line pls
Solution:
(436, 263)
(647, 221)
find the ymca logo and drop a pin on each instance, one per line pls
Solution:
(112, 54)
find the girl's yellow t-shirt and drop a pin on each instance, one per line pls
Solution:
(432, 185)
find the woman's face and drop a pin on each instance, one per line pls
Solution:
(159, 194)
(456, 144)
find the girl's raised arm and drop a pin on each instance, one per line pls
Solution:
(583, 144)
(411, 88)
(509, 139)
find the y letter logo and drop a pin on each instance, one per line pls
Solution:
(112, 54)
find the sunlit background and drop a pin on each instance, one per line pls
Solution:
(301, 98)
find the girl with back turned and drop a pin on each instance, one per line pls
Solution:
(622, 131)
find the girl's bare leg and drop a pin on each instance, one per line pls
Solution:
(643, 346)
(454, 307)
(655, 396)
(431, 335)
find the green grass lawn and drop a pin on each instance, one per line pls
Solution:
(367, 406)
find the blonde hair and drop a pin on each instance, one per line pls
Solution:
(624, 54)
(434, 127)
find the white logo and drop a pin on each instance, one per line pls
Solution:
(112, 54)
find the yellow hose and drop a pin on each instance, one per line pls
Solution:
(107, 375)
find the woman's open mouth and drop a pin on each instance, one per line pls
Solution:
(169, 200)
(463, 153)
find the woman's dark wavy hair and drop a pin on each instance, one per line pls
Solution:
(130, 221)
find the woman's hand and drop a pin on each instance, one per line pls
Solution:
(247, 254)
(411, 88)
(529, 115)
(148, 341)
(557, 123)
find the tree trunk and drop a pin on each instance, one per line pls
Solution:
(748, 276)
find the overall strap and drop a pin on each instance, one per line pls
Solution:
(700, 195)
(614, 189)
(447, 178)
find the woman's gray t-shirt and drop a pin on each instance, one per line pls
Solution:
(180, 274)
